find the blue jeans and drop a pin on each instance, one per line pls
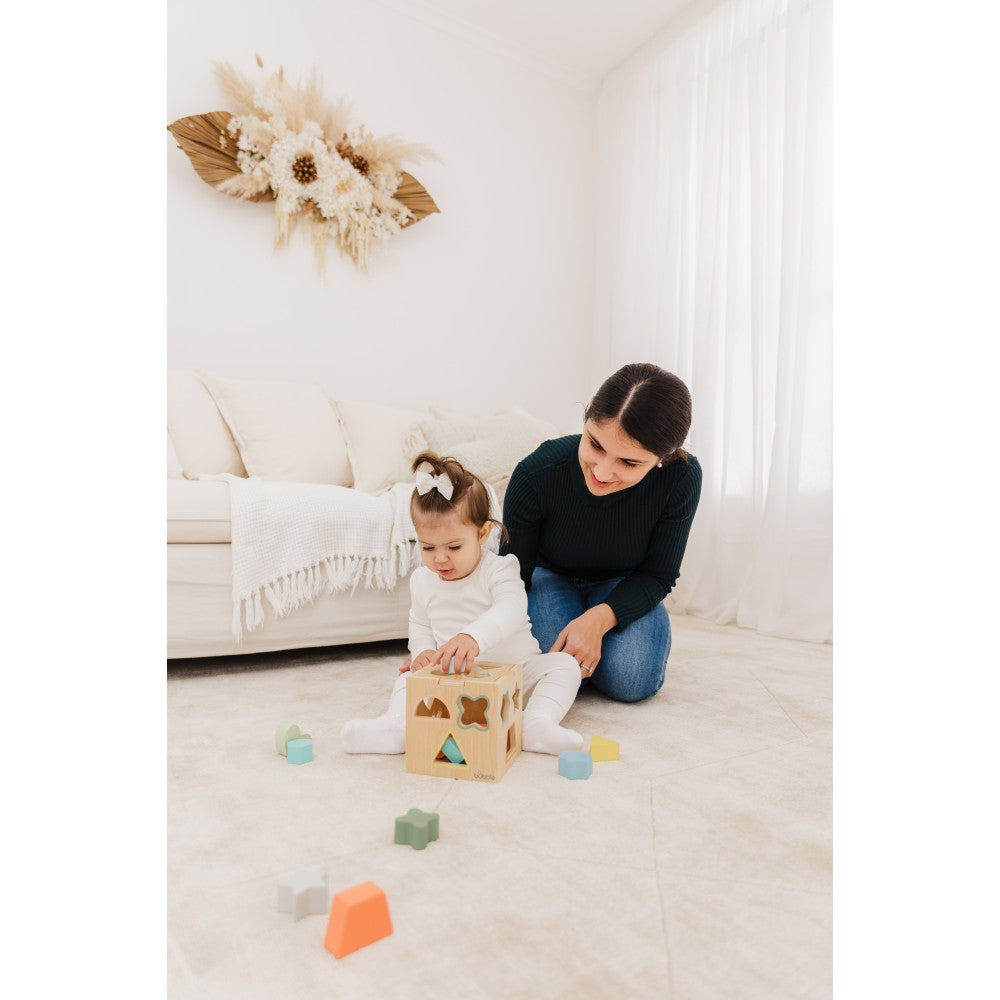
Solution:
(633, 660)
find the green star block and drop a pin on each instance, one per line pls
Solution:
(417, 829)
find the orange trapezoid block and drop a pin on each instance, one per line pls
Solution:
(358, 916)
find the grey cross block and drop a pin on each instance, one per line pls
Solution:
(303, 893)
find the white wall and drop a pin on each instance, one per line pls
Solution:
(485, 305)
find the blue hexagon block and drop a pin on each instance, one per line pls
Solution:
(574, 764)
(300, 751)
(417, 829)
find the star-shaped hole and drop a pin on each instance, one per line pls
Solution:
(473, 711)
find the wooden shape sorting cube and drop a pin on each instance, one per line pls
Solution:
(358, 917)
(575, 764)
(480, 717)
(602, 749)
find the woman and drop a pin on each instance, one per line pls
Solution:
(599, 522)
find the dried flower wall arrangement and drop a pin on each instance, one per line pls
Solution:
(286, 144)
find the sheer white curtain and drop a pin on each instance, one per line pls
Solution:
(715, 262)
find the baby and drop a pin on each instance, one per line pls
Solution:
(467, 603)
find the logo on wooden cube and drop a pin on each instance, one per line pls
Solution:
(464, 725)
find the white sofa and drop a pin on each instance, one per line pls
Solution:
(293, 431)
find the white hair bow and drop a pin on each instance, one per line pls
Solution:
(426, 482)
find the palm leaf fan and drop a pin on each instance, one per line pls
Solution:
(414, 196)
(211, 149)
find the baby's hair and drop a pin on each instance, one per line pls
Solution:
(469, 499)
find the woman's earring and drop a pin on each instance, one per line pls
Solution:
(659, 465)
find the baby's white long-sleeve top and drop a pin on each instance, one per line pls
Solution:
(490, 604)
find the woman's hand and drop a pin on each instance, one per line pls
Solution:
(416, 662)
(583, 636)
(463, 648)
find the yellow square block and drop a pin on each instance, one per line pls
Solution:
(463, 726)
(602, 749)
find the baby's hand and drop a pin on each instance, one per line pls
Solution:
(463, 648)
(416, 662)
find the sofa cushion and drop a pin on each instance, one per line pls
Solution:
(204, 444)
(284, 430)
(488, 446)
(198, 511)
(375, 438)
(440, 435)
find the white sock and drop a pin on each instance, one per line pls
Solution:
(542, 735)
(385, 734)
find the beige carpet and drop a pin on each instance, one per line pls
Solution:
(697, 866)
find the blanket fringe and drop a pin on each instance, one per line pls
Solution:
(332, 575)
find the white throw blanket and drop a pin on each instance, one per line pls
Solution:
(292, 542)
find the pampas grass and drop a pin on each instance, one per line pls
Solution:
(237, 88)
(249, 187)
(336, 119)
(392, 149)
